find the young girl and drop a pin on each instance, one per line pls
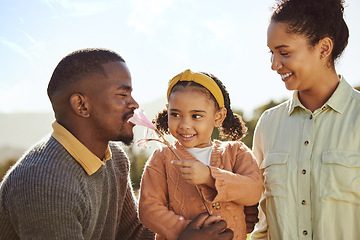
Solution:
(225, 172)
(308, 147)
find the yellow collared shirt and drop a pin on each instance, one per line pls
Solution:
(310, 164)
(89, 161)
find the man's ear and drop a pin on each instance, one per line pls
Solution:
(220, 116)
(79, 105)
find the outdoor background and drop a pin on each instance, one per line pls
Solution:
(158, 39)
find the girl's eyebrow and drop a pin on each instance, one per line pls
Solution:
(195, 111)
(199, 111)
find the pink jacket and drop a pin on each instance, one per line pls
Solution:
(167, 203)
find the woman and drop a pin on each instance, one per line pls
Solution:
(308, 148)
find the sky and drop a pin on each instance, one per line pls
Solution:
(157, 38)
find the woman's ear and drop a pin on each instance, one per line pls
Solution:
(79, 105)
(220, 117)
(326, 46)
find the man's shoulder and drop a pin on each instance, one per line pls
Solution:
(117, 151)
(48, 160)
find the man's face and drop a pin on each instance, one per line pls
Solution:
(112, 104)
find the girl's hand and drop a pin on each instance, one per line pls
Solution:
(195, 172)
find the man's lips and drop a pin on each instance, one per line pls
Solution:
(127, 116)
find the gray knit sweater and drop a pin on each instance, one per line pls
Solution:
(48, 195)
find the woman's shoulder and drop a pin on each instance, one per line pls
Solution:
(231, 145)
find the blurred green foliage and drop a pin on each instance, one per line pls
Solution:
(139, 159)
(5, 166)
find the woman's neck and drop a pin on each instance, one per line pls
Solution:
(317, 96)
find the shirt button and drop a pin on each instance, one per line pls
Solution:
(311, 117)
(306, 143)
(303, 202)
(216, 206)
(305, 232)
(303, 171)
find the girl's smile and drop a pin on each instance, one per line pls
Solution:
(192, 116)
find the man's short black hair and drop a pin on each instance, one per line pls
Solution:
(78, 65)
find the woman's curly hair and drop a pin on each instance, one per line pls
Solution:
(315, 20)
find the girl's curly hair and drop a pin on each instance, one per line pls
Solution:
(233, 127)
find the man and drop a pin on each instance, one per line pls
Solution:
(75, 184)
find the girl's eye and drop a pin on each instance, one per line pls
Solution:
(196, 116)
(284, 53)
(174, 115)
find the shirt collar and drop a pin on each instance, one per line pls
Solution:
(89, 161)
(338, 100)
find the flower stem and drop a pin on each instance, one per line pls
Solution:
(164, 141)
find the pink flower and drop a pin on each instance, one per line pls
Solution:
(139, 118)
(142, 143)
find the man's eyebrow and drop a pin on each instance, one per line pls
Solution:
(125, 87)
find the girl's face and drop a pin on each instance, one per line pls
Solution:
(296, 61)
(192, 117)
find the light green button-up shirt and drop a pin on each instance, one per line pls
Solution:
(310, 164)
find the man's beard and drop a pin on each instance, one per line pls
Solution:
(127, 140)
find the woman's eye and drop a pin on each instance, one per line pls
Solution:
(284, 53)
(196, 116)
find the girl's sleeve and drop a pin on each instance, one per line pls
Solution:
(153, 202)
(243, 185)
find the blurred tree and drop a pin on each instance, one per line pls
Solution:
(137, 163)
(250, 123)
(5, 166)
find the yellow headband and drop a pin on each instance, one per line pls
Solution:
(201, 79)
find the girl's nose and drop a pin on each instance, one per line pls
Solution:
(184, 124)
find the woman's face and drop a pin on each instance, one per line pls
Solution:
(294, 59)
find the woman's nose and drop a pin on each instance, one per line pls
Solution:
(276, 64)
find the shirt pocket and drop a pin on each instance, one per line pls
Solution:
(340, 177)
(274, 169)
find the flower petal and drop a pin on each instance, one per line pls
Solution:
(139, 118)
